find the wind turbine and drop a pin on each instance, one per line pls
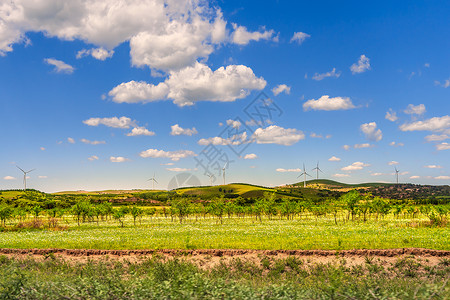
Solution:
(317, 170)
(304, 173)
(153, 181)
(210, 178)
(223, 171)
(24, 177)
(396, 173)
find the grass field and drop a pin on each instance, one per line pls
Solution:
(234, 233)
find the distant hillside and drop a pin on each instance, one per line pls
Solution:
(331, 184)
(234, 189)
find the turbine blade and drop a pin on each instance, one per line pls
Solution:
(20, 169)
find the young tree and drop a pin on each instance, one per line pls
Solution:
(6, 213)
(136, 212)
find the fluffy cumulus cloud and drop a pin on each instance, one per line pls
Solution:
(361, 66)
(86, 141)
(281, 88)
(9, 178)
(299, 37)
(97, 53)
(433, 124)
(395, 144)
(281, 170)
(114, 122)
(118, 159)
(443, 146)
(444, 84)
(250, 156)
(173, 155)
(278, 135)
(177, 130)
(391, 115)
(433, 167)
(414, 177)
(334, 158)
(93, 157)
(234, 123)
(391, 163)
(242, 36)
(415, 109)
(355, 166)
(371, 132)
(442, 177)
(322, 76)
(327, 103)
(178, 169)
(140, 131)
(236, 139)
(192, 84)
(71, 140)
(338, 175)
(59, 66)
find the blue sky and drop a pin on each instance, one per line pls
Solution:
(102, 95)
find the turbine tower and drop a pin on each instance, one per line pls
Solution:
(317, 170)
(153, 180)
(24, 177)
(304, 173)
(223, 171)
(396, 173)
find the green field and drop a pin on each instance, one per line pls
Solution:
(234, 233)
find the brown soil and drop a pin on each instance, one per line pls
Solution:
(207, 258)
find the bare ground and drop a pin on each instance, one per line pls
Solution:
(209, 258)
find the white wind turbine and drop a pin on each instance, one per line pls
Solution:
(24, 177)
(304, 173)
(153, 180)
(210, 178)
(317, 170)
(396, 173)
(223, 171)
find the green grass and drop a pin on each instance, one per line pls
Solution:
(159, 233)
(155, 278)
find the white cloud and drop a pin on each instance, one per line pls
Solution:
(334, 158)
(433, 167)
(236, 139)
(250, 156)
(391, 163)
(93, 157)
(426, 65)
(394, 144)
(278, 135)
(280, 89)
(442, 177)
(242, 36)
(178, 169)
(355, 166)
(299, 37)
(42, 177)
(361, 66)
(167, 164)
(376, 174)
(443, 146)
(288, 170)
(415, 109)
(42, 149)
(414, 177)
(371, 132)
(391, 115)
(118, 159)
(92, 142)
(97, 53)
(193, 84)
(436, 138)
(177, 130)
(433, 124)
(9, 178)
(444, 84)
(361, 146)
(140, 131)
(315, 135)
(327, 103)
(59, 66)
(341, 175)
(71, 140)
(322, 76)
(346, 147)
(173, 155)
(114, 122)
(234, 123)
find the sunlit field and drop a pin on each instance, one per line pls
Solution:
(234, 233)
